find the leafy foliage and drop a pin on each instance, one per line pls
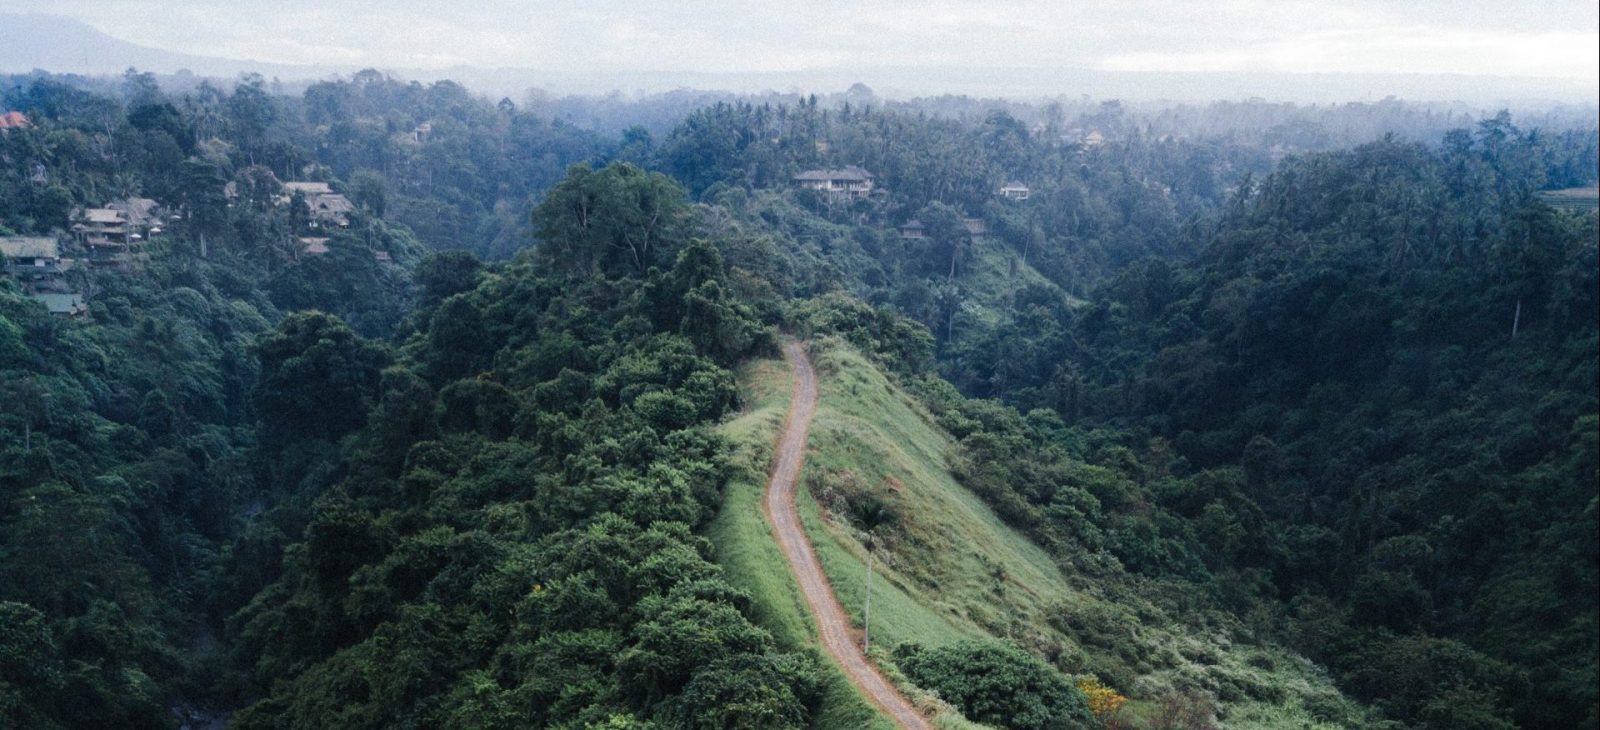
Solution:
(998, 685)
(1342, 400)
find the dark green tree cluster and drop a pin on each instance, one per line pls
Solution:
(1093, 209)
(455, 168)
(131, 457)
(1368, 406)
(1364, 415)
(513, 541)
(1345, 401)
(123, 463)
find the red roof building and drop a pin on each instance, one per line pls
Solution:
(9, 120)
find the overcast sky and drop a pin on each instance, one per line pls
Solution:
(1550, 38)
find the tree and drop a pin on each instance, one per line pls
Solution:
(676, 636)
(62, 549)
(748, 692)
(251, 112)
(204, 205)
(257, 187)
(318, 378)
(30, 666)
(947, 241)
(370, 192)
(615, 221)
(442, 274)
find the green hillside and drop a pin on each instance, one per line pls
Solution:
(948, 569)
(749, 555)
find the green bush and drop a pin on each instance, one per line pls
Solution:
(997, 684)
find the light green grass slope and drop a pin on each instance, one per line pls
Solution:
(948, 569)
(749, 554)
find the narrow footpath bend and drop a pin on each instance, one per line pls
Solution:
(823, 604)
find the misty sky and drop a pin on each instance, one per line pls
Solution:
(1552, 38)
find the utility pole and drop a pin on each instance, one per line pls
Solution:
(866, 611)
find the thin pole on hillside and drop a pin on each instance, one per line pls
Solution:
(866, 610)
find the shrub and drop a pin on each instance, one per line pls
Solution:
(998, 684)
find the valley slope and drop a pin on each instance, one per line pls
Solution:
(948, 569)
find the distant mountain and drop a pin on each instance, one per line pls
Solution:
(59, 44)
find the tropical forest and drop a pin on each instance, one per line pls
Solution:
(381, 403)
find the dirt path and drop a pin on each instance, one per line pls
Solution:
(831, 621)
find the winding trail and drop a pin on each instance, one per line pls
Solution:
(820, 600)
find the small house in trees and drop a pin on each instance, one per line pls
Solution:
(975, 227)
(326, 206)
(63, 304)
(35, 262)
(29, 252)
(1084, 138)
(102, 227)
(142, 214)
(107, 235)
(334, 208)
(312, 246)
(1015, 191)
(850, 182)
(913, 229)
(14, 120)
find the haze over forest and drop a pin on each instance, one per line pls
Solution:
(1441, 50)
(716, 365)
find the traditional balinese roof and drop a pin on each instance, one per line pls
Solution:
(332, 203)
(103, 215)
(29, 247)
(852, 173)
(975, 226)
(1014, 186)
(313, 246)
(68, 304)
(138, 211)
(308, 188)
(10, 120)
(382, 257)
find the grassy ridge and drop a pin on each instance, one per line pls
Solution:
(948, 569)
(750, 556)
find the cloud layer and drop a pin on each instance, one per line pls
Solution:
(1552, 38)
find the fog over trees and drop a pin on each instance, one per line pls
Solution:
(369, 402)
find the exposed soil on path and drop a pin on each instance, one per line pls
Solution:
(820, 600)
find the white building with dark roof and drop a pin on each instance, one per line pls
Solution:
(35, 262)
(849, 181)
(1015, 191)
